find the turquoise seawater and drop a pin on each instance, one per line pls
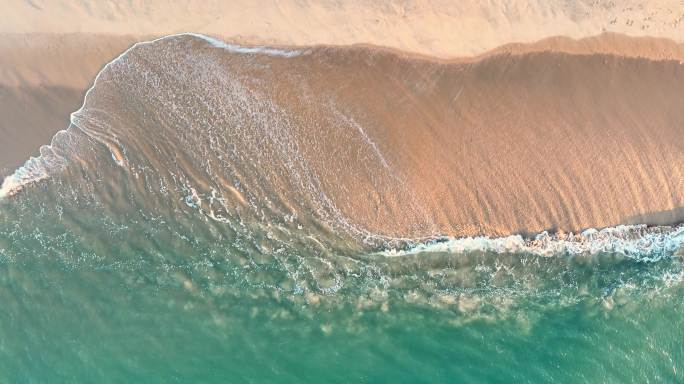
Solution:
(89, 299)
(186, 237)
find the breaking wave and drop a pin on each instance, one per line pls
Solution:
(639, 242)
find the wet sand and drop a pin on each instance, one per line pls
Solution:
(517, 143)
(43, 78)
(559, 134)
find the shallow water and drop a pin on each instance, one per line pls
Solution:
(101, 301)
(150, 243)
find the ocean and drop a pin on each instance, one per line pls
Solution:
(195, 224)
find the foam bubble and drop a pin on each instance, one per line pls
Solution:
(639, 242)
(247, 49)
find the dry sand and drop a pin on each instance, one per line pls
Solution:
(522, 137)
(441, 28)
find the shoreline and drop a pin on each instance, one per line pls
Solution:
(483, 62)
(35, 64)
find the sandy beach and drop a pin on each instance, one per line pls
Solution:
(342, 191)
(519, 128)
(439, 28)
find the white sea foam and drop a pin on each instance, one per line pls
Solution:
(33, 170)
(9, 185)
(639, 242)
(263, 50)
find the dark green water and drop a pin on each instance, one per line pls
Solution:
(124, 259)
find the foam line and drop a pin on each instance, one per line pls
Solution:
(638, 242)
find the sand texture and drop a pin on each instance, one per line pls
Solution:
(507, 144)
(434, 27)
(490, 119)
